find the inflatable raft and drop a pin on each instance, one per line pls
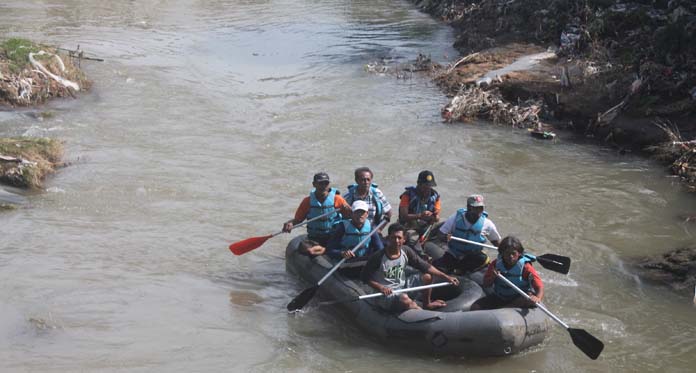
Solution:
(453, 330)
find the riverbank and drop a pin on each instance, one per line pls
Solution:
(25, 162)
(623, 74)
(31, 74)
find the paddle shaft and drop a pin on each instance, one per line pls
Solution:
(541, 306)
(335, 268)
(474, 243)
(425, 235)
(553, 262)
(589, 344)
(308, 221)
(407, 290)
(378, 294)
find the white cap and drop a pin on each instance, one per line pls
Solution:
(360, 205)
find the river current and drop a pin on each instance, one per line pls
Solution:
(207, 120)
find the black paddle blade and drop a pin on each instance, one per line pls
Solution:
(301, 300)
(556, 263)
(585, 341)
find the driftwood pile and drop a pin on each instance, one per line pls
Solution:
(475, 102)
(32, 73)
(676, 148)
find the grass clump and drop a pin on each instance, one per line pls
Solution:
(16, 52)
(39, 157)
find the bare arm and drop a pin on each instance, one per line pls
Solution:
(379, 287)
(416, 262)
(535, 281)
(436, 272)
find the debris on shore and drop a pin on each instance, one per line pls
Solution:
(682, 153)
(422, 64)
(32, 73)
(25, 162)
(616, 69)
(622, 72)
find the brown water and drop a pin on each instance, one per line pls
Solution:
(205, 124)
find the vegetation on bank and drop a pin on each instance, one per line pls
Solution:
(16, 52)
(25, 162)
(32, 73)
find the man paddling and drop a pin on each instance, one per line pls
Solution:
(385, 272)
(473, 224)
(516, 267)
(321, 200)
(350, 232)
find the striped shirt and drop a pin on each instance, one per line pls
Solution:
(386, 207)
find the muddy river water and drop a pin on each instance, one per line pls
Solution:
(205, 124)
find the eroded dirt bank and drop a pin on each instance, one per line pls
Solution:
(622, 72)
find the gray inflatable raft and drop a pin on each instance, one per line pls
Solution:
(453, 330)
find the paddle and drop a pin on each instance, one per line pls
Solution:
(244, 246)
(585, 341)
(418, 246)
(557, 263)
(376, 295)
(307, 294)
(425, 235)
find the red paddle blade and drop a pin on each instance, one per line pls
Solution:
(244, 246)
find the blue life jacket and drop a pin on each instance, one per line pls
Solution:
(372, 195)
(353, 236)
(513, 274)
(473, 233)
(415, 206)
(325, 225)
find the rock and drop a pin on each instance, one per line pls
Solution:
(676, 268)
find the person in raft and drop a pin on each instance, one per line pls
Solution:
(385, 272)
(516, 267)
(349, 233)
(471, 224)
(365, 190)
(419, 207)
(321, 200)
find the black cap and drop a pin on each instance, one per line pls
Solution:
(321, 177)
(426, 177)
